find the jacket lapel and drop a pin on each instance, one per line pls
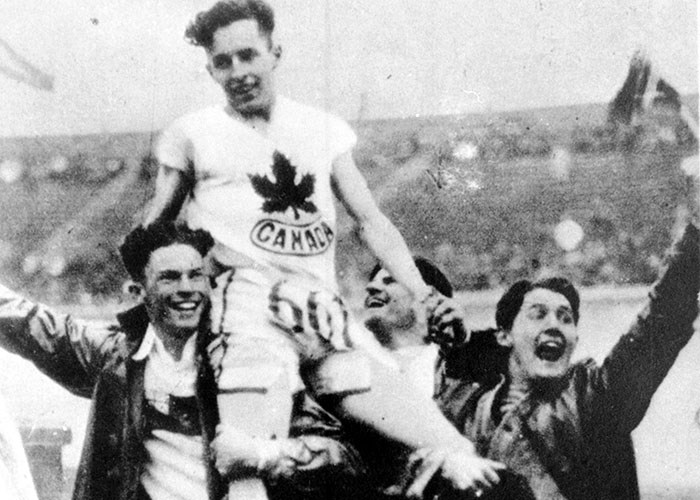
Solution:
(134, 323)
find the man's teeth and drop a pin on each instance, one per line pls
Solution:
(243, 89)
(375, 303)
(185, 306)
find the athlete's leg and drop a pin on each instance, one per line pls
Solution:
(256, 374)
(361, 386)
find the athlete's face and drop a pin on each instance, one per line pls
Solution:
(176, 289)
(242, 60)
(543, 336)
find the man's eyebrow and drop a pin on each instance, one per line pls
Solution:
(169, 272)
(544, 304)
(232, 52)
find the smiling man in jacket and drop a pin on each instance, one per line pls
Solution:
(153, 431)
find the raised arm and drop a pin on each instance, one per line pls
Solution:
(380, 235)
(68, 351)
(639, 362)
(391, 406)
(175, 178)
(172, 188)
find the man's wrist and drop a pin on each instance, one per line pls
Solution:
(454, 444)
(466, 446)
(462, 445)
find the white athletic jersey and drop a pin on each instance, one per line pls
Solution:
(267, 198)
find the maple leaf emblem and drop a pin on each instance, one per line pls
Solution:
(284, 193)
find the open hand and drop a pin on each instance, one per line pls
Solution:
(456, 469)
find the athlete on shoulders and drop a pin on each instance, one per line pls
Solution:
(260, 174)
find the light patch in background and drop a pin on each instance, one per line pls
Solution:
(560, 163)
(11, 171)
(59, 164)
(568, 234)
(691, 166)
(465, 151)
(55, 265)
(31, 264)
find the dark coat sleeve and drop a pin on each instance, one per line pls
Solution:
(622, 388)
(68, 351)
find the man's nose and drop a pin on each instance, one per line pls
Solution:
(553, 320)
(237, 69)
(186, 284)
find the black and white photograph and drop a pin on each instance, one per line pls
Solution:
(334, 250)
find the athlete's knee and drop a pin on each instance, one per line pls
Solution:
(315, 320)
(339, 374)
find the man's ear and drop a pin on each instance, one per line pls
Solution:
(504, 338)
(135, 291)
(277, 52)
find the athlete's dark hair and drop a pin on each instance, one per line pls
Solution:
(431, 274)
(510, 303)
(141, 242)
(200, 31)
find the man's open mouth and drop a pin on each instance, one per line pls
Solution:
(185, 306)
(550, 349)
(243, 90)
(374, 302)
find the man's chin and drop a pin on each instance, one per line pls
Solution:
(376, 325)
(184, 330)
(251, 108)
(186, 320)
(550, 370)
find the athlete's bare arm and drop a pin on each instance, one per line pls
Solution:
(392, 406)
(172, 188)
(380, 235)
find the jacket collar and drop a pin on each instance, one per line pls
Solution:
(134, 322)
